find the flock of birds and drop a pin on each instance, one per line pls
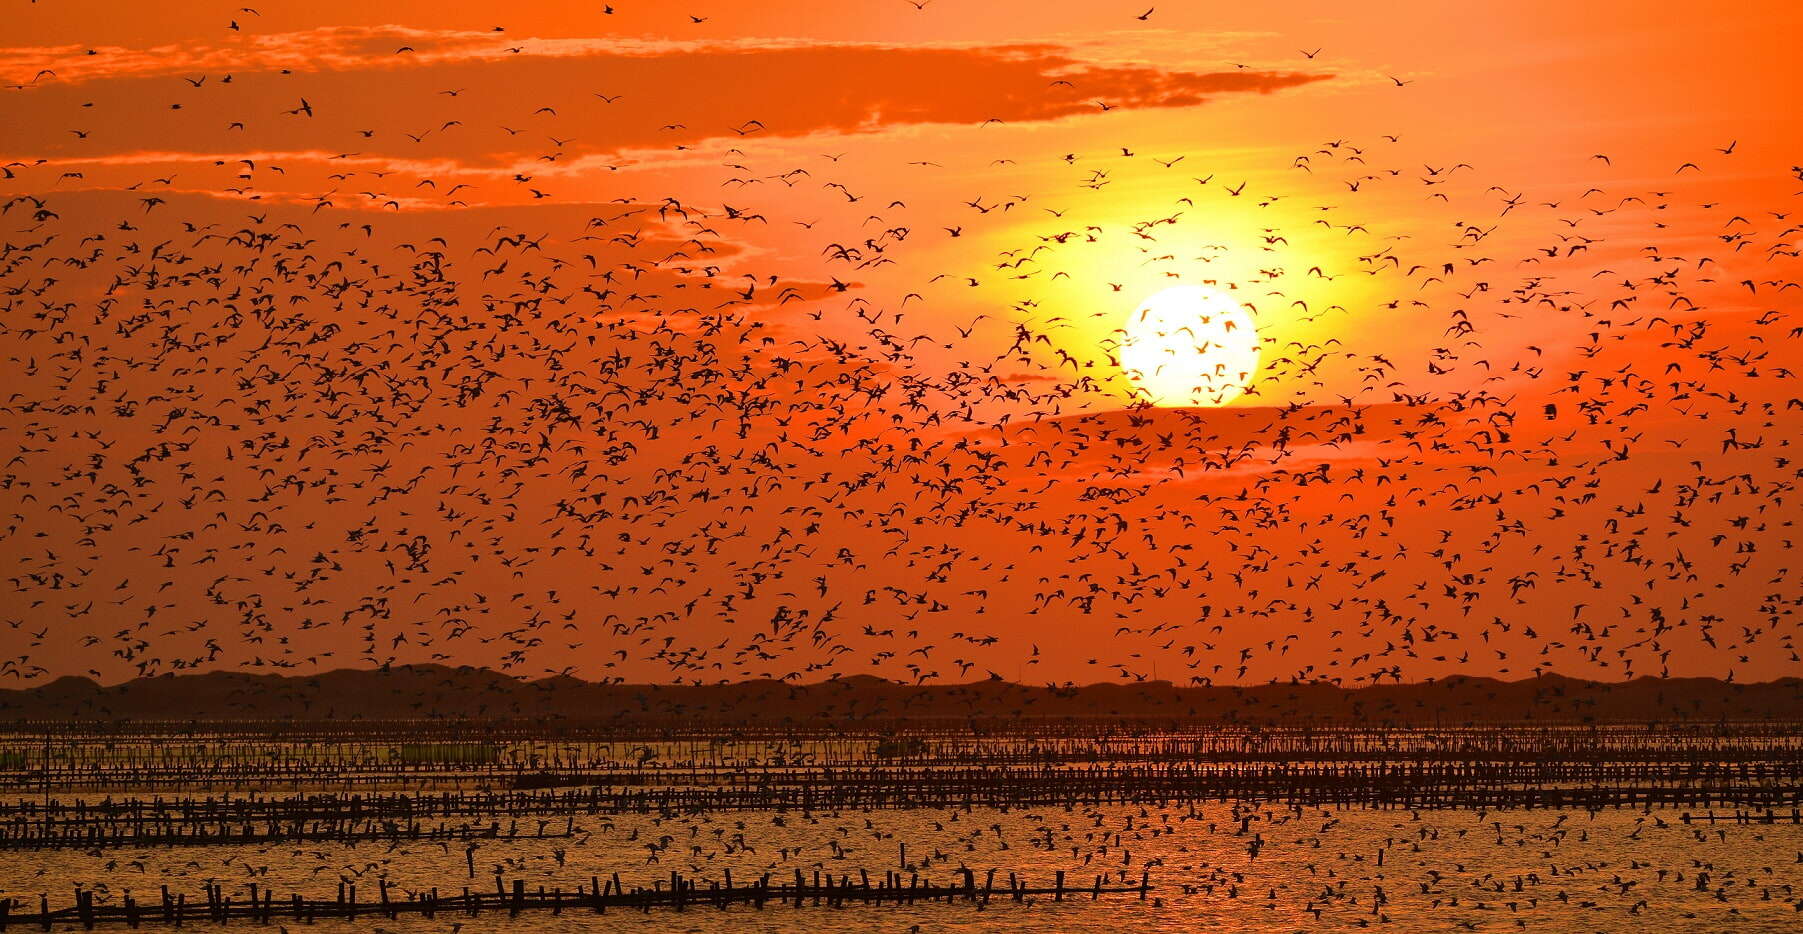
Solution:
(250, 424)
(604, 438)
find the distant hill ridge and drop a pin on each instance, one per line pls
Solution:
(440, 692)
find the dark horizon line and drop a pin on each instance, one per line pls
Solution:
(1551, 676)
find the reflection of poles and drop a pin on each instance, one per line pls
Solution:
(46, 768)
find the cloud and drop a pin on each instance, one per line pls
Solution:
(463, 97)
(393, 47)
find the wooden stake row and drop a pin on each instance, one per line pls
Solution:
(678, 893)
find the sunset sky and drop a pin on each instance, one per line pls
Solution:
(780, 339)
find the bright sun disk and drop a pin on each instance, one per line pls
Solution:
(1190, 345)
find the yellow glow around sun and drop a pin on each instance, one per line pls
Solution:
(1190, 345)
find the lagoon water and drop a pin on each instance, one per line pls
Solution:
(1214, 867)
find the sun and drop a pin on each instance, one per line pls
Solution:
(1190, 345)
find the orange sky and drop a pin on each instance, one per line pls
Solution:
(772, 340)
